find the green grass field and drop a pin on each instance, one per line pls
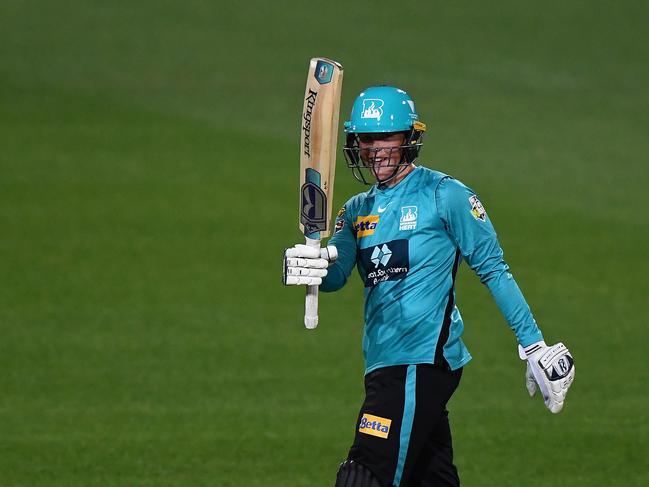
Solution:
(148, 185)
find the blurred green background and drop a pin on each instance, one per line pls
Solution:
(148, 185)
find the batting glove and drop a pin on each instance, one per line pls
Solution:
(306, 265)
(550, 369)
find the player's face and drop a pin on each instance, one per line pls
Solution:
(381, 152)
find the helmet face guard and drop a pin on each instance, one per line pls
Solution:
(363, 162)
(382, 110)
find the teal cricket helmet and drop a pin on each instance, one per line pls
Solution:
(382, 109)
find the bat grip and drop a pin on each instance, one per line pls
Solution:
(311, 301)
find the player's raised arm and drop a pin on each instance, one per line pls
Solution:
(328, 267)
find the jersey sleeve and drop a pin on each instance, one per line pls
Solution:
(345, 241)
(468, 224)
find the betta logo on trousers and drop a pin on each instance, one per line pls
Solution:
(375, 425)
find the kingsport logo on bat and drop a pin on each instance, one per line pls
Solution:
(306, 127)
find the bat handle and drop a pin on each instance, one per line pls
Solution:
(311, 301)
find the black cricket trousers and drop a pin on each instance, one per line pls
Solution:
(403, 434)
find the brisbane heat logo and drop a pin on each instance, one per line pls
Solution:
(408, 220)
(372, 108)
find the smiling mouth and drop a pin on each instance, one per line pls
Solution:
(379, 158)
(380, 162)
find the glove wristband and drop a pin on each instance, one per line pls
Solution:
(524, 353)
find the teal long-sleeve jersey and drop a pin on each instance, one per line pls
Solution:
(407, 242)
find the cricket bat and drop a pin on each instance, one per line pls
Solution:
(319, 136)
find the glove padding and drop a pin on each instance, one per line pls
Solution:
(551, 369)
(306, 265)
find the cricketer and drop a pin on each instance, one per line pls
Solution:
(407, 236)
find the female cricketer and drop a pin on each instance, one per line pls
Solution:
(407, 235)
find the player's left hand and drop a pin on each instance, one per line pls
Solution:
(551, 369)
(307, 265)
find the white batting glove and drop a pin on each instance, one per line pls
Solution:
(551, 369)
(306, 265)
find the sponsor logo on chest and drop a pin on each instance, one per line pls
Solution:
(388, 261)
(365, 225)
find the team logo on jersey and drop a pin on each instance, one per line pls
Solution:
(387, 261)
(408, 220)
(365, 225)
(340, 221)
(477, 210)
(374, 425)
(372, 108)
